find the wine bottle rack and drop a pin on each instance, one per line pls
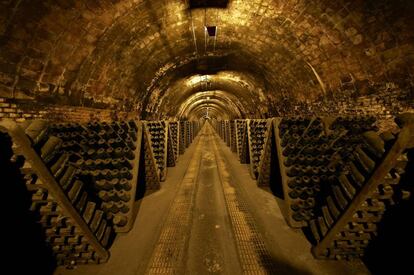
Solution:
(173, 143)
(242, 141)
(227, 135)
(347, 132)
(75, 226)
(353, 124)
(304, 155)
(217, 126)
(83, 178)
(190, 133)
(348, 220)
(108, 156)
(233, 142)
(193, 128)
(258, 133)
(265, 164)
(223, 130)
(156, 133)
(183, 137)
(338, 175)
(152, 173)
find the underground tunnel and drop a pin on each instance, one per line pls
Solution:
(207, 136)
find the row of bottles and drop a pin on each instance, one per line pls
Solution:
(70, 215)
(231, 132)
(305, 160)
(242, 141)
(258, 131)
(157, 134)
(106, 157)
(227, 129)
(183, 141)
(173, 143)
(233, 140)
(83, 179)
(356, 202)
(338, 175)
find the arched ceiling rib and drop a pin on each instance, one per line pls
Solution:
(214, 112)
(238, 88)
(231, 110)
(232, 104)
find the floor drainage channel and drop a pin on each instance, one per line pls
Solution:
(254, 257)
(169, 252)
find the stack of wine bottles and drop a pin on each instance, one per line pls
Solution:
(156, 134)
(258, 133)
(266, 159)
(305, 152)
(107, 156)
(355, 203)
(183, 137)
(227, 132)
(173, 143)
(242, 141)
(233, 142)
(187, 130)
(368, 184)
(222, 129)
(72, 217)
(354, 124)
(83, 179)
(190, 132)
(347, 133)
(338, 175)
(217, 126)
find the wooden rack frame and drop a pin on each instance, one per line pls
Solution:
(24, 147)
(379, 179)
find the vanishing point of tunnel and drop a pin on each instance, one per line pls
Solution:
(207, 136)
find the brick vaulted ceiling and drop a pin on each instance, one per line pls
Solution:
(154, 56)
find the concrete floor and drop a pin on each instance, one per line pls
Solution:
(210, 217)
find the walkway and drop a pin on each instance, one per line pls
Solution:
(210, 217)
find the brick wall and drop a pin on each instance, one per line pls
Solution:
(387, 102)
(21, 110)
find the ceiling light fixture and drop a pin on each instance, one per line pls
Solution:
(211, 30)
(194, 4)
